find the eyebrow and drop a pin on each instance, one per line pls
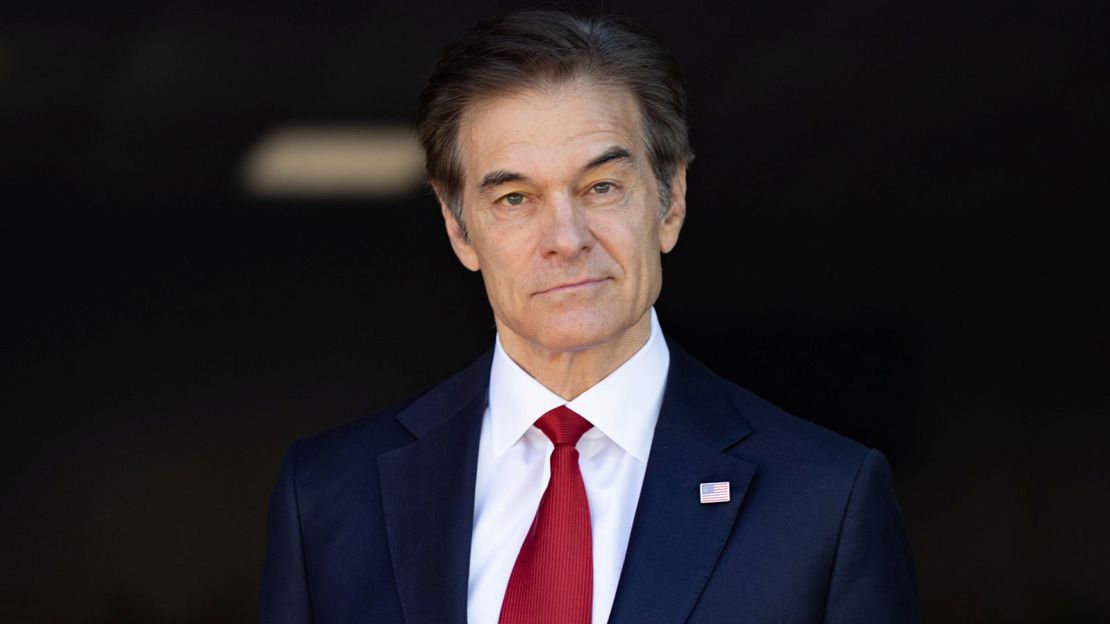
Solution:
(609, 155)
(501, 176)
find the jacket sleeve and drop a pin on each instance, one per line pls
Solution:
(284, 597)
(873, 576)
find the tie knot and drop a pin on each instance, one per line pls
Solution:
(563, 425)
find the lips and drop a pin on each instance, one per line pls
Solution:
(572, 285)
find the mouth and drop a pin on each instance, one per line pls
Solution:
(574, 285)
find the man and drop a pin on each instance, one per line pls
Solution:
(585, 470)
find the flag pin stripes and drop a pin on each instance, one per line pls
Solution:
(714, 492)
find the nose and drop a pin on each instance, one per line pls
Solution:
(566, 230)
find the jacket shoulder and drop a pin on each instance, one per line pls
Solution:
(360, 441)
(789, 436)
(774, 439)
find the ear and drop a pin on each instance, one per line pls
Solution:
(671, 223)
(459, 242)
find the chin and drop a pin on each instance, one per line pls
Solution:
(575, 334)
(570, 344)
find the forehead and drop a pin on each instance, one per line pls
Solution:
(545, 127)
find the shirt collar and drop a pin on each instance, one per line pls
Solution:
(624, 406)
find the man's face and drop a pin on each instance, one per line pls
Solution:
(563, 215)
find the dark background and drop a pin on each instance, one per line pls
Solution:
(896, 230)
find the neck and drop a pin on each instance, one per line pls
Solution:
(570, 373)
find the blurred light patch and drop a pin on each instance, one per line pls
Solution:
(334, 162)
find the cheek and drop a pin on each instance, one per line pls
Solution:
(505, 268)
(632, 243)
(648, 260)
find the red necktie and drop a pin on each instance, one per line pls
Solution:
(552, 581)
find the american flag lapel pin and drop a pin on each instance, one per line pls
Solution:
(714, 492)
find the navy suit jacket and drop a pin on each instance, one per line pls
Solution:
(371, 522)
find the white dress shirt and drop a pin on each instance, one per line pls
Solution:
(514, 467)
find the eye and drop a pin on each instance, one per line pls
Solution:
(602, 187)
(513, 199)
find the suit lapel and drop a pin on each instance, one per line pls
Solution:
(676, 540)
(428, 497)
